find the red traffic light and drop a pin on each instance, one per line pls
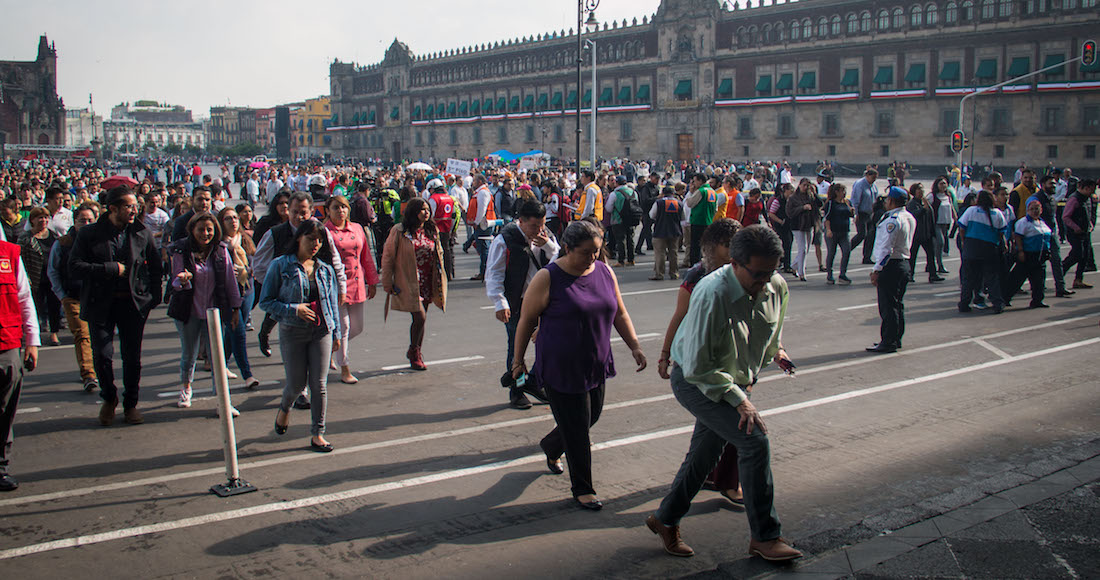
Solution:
(1088, 53)
(958, 141)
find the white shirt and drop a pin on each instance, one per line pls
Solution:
(459, 193)
(497, 263)
(273, 187)
(893, 237)
(823, 189)
(156, 223)
(484, 198)
(785, 176)
(751, 184)
(252, 187)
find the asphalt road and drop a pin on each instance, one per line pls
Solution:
(434, 476)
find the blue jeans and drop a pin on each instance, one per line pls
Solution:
(510, 328)
(192, 333)
(235, 340)
(715, 425)
(481, 243)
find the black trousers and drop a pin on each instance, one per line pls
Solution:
(981, 273)
(1056, 266)
(646, 234)
(695, 250)
(863, 228)
(892, 281)
(130, 323)
(11, 384)
(1031, 269)
(787, 237)
(624, 242)
(1079, 247)
(929, 255)
(574, 413)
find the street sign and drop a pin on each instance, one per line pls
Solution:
(958, 141)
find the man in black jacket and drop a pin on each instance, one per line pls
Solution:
(648, 193)
(120, 266)
(202, 200)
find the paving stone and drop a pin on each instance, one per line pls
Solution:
(948, 525)
(867, 554)
(999, 559)
(954, 499)
(1071, 516)
(750, 567)
(1003, 481)
(931, 561)
(899, 518)
(1034, 492)
(1087, 471)
(920, 529)
(1012, 526)
(836, 563)
(832, 539)
(797, 575)
(1083, 558)
(1043, 467)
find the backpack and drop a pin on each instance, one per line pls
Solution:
(630, 213)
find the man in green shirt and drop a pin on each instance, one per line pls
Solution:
(702, 202)
(732, 329)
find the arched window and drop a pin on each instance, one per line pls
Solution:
(780, 36)
(966, 11)
(807, 29)
(951, 13)
(754, 36)
(853, 23)
(795, 35)
(834, 25)
(865, 21)
(916, 17)
(741, 38)
(988, 10)
(767, 34)
(1004, 9)
(930, 15)
(1088, 3)
(883, 20)
(822, 27)
(899, 18)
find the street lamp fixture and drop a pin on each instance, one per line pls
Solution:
(589, 7)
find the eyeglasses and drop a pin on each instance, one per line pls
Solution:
(761, 276)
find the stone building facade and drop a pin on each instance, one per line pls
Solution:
(231, 126)
(853, 81)
(30, 110)
(151, 127)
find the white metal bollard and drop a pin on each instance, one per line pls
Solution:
(234, 484)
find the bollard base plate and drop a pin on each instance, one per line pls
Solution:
(233, 487)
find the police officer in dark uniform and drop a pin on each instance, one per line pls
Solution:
(890, 274)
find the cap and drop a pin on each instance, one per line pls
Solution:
(620, 179)
(435, 184)
(896, 192)
(524, 186)
(822, 174)
(318, 180)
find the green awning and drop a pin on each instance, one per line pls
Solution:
(683, 88)
(355, 119)
(1020, 66)
(334, 121)
(725, 88)
(501, 104)
(463, 107)
(572, 100)
(416, 112)
(475, 107)
(370, 118)
(643, 94)
(587, 98)
(851, 78)
(395, 113)
(916, 73)
(513, 105)
(624, 95)
(451, 109)
(950, 71)
(556, 101)
(764, 84)
(606, 94)
(487, 105)
(1053, 59)
(785, 82)
(440, 109)
(529, 101)
(808, 81)
(429, 111)
(884, 75)
(543, 102)
(987, 69)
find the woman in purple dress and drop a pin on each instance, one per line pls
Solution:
(574, 301)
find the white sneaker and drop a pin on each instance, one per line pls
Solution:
(230, 374)
(232, 411)
(185, 398)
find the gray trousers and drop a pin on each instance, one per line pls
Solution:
(715, 425)
(306, 353)
(11, 383)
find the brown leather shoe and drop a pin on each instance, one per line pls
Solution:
(132, 416)
(670, 536)
(107, 413)
(777, 550)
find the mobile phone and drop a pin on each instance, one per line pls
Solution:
(787, 366)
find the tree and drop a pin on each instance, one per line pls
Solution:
(173, 149)
(193, 150)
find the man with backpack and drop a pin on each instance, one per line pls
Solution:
(626, 214)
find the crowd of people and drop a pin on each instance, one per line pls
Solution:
(106, 250)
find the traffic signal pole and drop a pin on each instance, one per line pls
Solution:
(984, 90)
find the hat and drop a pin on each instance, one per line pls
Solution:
(436, 184)
(318, 180)
(896, 192)
(620, 179)
(822, 174)
(524, 186)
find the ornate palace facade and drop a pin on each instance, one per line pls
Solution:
(854, 81)
(30, 110)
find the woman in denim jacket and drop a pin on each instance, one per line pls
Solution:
(300, 291)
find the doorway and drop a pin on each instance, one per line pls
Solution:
(685, 147)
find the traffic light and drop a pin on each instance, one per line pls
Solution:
(1088, 57)
(957, 141)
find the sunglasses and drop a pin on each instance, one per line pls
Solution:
(759, 276)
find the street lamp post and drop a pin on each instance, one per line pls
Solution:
(583, 6)
(592, 132)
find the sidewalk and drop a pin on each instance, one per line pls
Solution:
(1039, 520)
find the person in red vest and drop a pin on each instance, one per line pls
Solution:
(443, 214)
(19, 343)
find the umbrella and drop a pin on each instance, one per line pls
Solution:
(117, 180)
(419, 166)
(258, 165)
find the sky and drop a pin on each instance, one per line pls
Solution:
(203, 53)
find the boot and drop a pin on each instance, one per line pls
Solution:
(416, 362)
(107, 412)
(133, 416)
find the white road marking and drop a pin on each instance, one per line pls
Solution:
(28, 410)
(87, 490)
(464, 472)
(992, 349)
(857, 307)
(640, 292)
(435, 362)
(640, 336)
